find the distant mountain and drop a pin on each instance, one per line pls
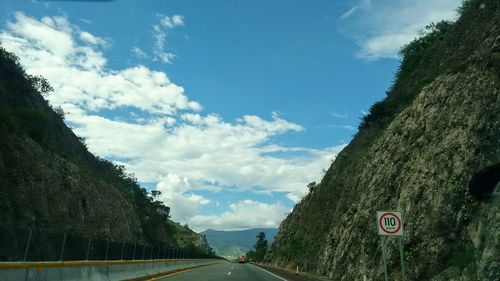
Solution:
(230, 244)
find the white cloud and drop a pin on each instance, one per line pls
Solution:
(382, 28)
(175, 193)
(48, 47)
(210, 152)
(340, 115)
(363, 4)
(139, 53)
(243, 215)
(91, 39)
(160, 36)
(87, 21)
(165, 139)
(345, 127)
(171, 22)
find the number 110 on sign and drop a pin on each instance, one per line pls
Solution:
(389, 223)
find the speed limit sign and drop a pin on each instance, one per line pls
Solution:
(389, 223)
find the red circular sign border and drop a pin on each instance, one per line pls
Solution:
(383, 229)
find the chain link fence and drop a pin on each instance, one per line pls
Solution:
(18, 244)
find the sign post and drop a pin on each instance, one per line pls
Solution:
(383, 257)
(390, 223)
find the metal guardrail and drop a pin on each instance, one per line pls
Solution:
(35, 244)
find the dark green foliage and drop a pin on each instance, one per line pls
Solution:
(468, 6)
(260, 247)
(293, 249)
(250, 255)
(31, 121)
(413, 54)
(415, 50)
(59, 111)
(40, 84)
(312, 186)
(462, 256)
(444, 47)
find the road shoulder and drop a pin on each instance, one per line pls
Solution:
(290, 275)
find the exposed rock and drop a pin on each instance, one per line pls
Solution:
(419, 162)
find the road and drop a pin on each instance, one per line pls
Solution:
(225, 271)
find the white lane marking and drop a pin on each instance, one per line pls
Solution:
(280, 278)
(232, 267)
(229, 273)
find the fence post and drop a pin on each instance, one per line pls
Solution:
(107, 247)
(123, 248)
(62, 248)
(143, 251)
(135, 245)
(27, 245)
(165, 251)
(158, 256)
(152, 248)
(88, 248)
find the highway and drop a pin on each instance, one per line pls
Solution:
(224, 271)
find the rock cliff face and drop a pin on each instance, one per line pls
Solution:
(49, 180)
(416, 152)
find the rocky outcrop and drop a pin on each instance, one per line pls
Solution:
(50, 192)
(419, 161)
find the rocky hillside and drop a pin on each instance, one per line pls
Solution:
(430, 149)
(49, 180)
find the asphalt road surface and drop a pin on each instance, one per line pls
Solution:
(225, 271)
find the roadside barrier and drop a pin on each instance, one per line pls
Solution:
(40, 254)
(93, 270)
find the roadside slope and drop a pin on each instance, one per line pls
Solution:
(417, 152)
(50, 181)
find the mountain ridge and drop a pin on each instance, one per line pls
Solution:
(232, 243)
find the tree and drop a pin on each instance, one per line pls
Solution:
(260, 247)
(312, 186)
(59, 111)
(155, 194)
(250, 255)
(40, 84)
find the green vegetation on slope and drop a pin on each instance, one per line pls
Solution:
(259, 249)
(425, 58)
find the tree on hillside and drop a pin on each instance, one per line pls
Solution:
(260, 247)
(312, 186)
(250, 255)
(155, 194)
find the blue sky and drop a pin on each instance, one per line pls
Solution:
(228, 107)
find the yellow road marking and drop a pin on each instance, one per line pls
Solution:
(41, 265)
